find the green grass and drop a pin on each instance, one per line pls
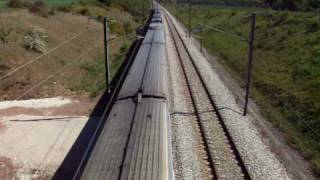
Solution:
(90, 79)
(53, 3)
(59, 2)
(93, 82)
(286, 75)
(65, 2)
(2, 4)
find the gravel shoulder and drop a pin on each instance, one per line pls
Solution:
(261, 162)
(186, 161)
(293, 161)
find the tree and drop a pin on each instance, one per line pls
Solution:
(283, 4)
(269, 2)
(290, 4)
(107, 2)
(313, 3)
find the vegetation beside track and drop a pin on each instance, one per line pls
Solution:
(286, 75)
(296, 5)
(60, 20)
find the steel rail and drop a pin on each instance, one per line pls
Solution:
(220, 118)
(197, 113)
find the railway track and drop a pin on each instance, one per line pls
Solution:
(134, 142)
(220, 157)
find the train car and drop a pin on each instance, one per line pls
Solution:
(135, 142)
(150, 63)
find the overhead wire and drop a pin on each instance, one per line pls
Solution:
(39, 57)
(54, 74)
(285, 104)
(59, 70)
(19, 139)
(307, 125)
(224, 32)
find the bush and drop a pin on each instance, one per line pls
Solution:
(116, 27)
(36, 39)
(64, 8)
(5, 34)
(52, 11)
(107, 2)
(40, 8)
(84, 11)
(312, 27)
(37, 7)
(128, 27)
(124, 49)
(18, 3)
(314, 3)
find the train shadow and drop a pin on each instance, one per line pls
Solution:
(78, 152)
(73, 159)
(72, 162)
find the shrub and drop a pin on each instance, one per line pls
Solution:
(52, 11)
(84, 11)
(312, 27)
(37, 7)
(40, 8)
(36, 39)
(128, 27)
(18, 3)
(39, 3)
(5, 34)
(107, 2)
(64, 8)
(116, 27)
(124, 49)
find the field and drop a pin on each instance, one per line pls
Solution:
(82, 57)
(59, 2)
(286, 75)
(53, 3)
(71, 67)
(2, 4)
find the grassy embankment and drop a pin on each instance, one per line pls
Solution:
(60, 21)
(2, 4)
(286, 75)
(54, 3)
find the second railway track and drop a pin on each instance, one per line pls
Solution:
(222, 158)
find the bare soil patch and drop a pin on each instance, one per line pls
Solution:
(38, 139)
(81, 106)
(7, 169)
(1, 126)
